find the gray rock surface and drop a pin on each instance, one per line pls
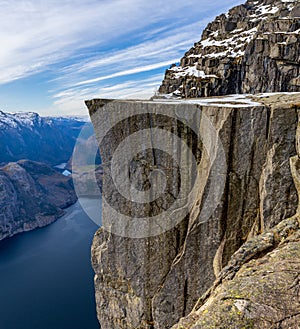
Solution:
(258, 289)
(253, 48)
(244, 183)
(152, 282)
(31, 195)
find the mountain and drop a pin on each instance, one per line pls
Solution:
(32, 195)
(253, 48)
(44, 139)
(224, 253)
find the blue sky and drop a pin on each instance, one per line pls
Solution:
(55, 54)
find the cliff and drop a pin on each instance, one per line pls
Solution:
(31, 195)
(198, 200)
(253, 48)
(200, 195)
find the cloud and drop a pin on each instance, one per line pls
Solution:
(100, 72)
(37, 33)
(166, 47)
(74, 43)
(46, 32)
(72, 100)
(159, 52)
(139, 69)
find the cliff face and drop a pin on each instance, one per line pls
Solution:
(253, 48)
(200, 204)
(31, 195)
(240, 160)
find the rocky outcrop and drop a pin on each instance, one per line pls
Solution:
(31, 195)
(30, 136)
(253, 48)
(240, 160)
(200, 195)
(259, 288)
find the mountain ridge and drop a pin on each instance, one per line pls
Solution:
(27, 135)
(253, 48)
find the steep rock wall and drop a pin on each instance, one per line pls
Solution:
(253, 48)
(152, 281)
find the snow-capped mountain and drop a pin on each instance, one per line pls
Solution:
(20, 119)
(253, 48)
(30, 136)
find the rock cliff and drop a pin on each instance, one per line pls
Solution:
(31, 195)
(200, 196)
(253, 48)
(227, 169)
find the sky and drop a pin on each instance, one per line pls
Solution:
(57, 53)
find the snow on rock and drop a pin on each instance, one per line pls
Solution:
(31, 120)
(266, 9)
(191, 71)
(216, 64)
(26, 135)
(232, 101)
(19, 119)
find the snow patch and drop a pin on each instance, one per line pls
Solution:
(190, 71)
(231, 45)
(230, 101)
(263, 10)
(66, 173)
(278, 93)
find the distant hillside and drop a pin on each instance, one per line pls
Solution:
(29, 136)
(32, 195)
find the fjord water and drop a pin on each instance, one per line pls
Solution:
(46, 278)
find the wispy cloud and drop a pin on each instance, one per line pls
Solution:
(79, 43)
(138, 69)
(165, 48)
(100, 72)
(39, 33)
(71, 100)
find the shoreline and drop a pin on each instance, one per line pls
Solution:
(40, 223)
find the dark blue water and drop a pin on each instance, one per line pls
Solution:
(46, 279)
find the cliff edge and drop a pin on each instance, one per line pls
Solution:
(150, 270)
(200, 194)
